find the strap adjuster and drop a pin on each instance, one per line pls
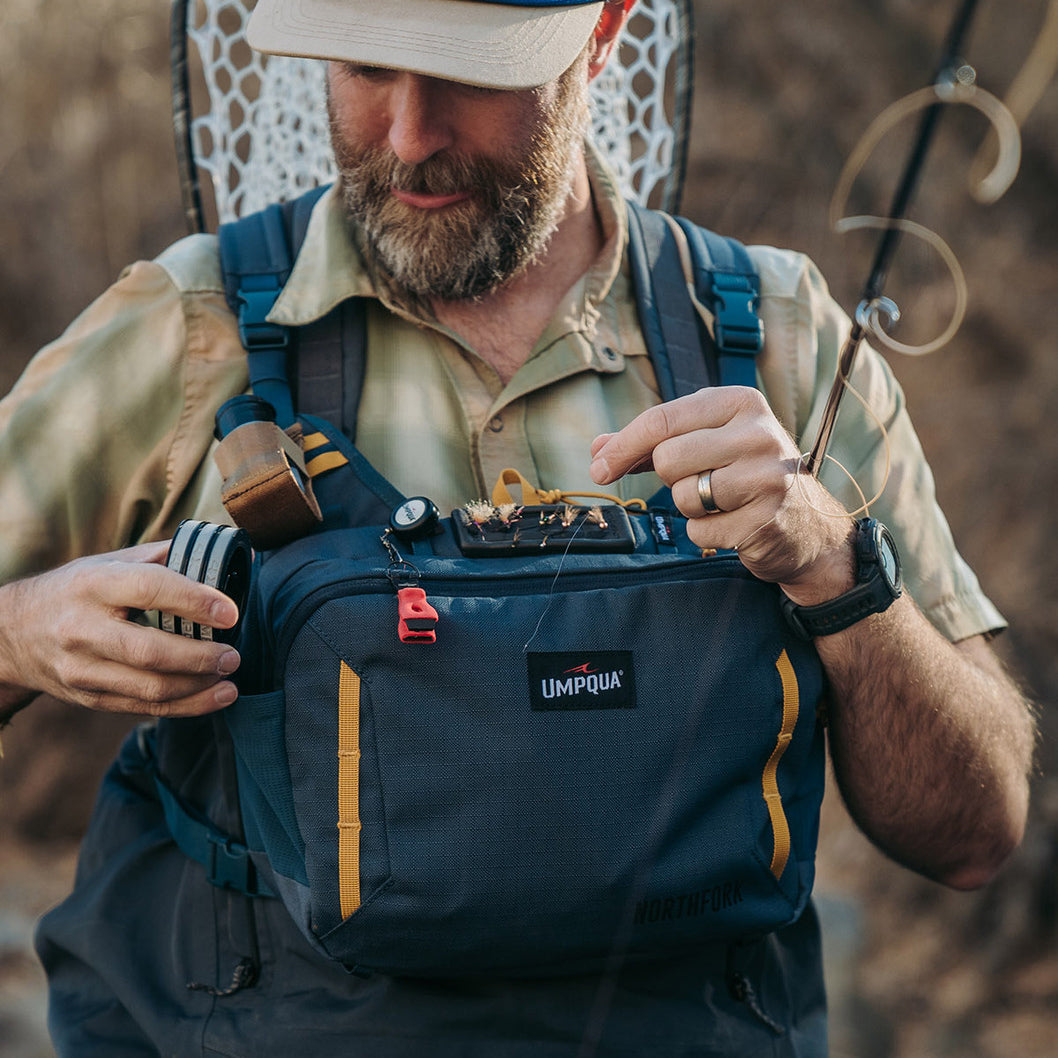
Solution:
(738, 327)
(255, 332)
(230, 865)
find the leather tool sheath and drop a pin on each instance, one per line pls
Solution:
(266, 489)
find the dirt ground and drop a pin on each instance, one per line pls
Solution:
(87, 183)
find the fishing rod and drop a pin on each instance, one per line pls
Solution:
(951, 70)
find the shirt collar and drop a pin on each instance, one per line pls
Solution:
(328, 270)
(330, 267)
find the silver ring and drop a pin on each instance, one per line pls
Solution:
(705, 493)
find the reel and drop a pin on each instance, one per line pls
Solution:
(219, 556)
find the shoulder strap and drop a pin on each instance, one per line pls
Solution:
(331, 356)
(256, 259)
(674, 336)
(257, 255)
(684, 354)
(727, 282)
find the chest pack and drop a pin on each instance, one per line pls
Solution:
(525, 744)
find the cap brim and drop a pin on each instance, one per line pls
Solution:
(495, 45)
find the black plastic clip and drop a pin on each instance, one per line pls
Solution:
(738, 327)
(230, 866)
(255, 332)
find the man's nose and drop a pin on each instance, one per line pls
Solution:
(420, 124)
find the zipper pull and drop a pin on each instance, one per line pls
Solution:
(417, 617)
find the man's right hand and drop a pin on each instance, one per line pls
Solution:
(68, 633)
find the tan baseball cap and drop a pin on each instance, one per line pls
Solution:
(513, 44)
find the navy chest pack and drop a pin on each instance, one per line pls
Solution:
(602, 753)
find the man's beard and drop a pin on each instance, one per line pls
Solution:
(470, 248)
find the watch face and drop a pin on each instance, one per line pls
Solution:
(888, 557)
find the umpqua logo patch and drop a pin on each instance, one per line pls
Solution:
(599, 679)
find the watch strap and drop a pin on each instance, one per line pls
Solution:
(873, 593)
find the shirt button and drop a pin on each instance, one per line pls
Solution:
(609, 354)
(496, 423)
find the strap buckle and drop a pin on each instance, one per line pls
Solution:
(255, 332)
(738, 327)
(230, 865)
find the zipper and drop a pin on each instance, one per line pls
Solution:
(518, 584)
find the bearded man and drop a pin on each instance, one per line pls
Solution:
(489, 245)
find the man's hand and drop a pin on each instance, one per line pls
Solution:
(67, 633)
(786, 526)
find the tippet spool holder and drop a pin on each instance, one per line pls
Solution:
(219, 556)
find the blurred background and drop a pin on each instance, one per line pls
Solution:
(783, 91)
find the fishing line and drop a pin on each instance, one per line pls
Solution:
(953, 82)
(987, 189)
(870, 315)
(802, 471)
(865, 504)
(1028, 86)
(551, 590)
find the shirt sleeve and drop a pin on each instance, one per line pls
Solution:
(874, 450)
(102, 439)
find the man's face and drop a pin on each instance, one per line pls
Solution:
(456, 188)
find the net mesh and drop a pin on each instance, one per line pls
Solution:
(258, 124)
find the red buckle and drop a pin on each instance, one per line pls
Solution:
(417, 617)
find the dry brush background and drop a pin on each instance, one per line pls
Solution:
(87, 183)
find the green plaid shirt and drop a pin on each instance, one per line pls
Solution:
(105, 440)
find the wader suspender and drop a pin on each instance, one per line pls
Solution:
(257, 256)
(685, 356)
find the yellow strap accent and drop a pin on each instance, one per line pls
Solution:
(791, 699)
(314, 440)
(348, 790)
(325, 461)
(532, 496)
(501, 493)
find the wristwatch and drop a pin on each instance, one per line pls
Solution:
(877, 586)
